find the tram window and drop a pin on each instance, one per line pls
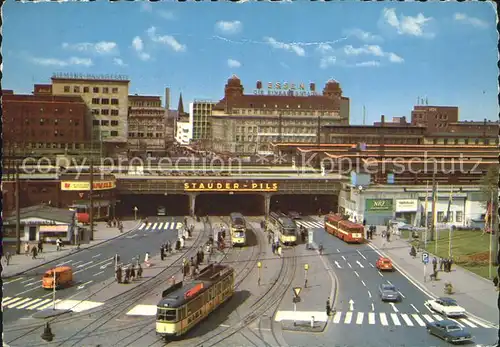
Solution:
(194, 305)
(166, 314)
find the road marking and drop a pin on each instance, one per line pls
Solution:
(458, 323)
(179, 225)
(142, 226)
(390, 283)
(31, 284)
(29, 290)
(338, 265)
(369, 294)
(361, 254)
(383, 319)
(394, 307)
(105, 265)
(407, 319)
(48, 305)
(356, 273)
(373, 307)
(414, 308)
(428, 308)
(395, 319)
(380, 273)
(338, 250)
(349, 265)
(43, 302)
(64, 263)
(160, 226)
(469, 323)
(31, 279)
(78, 262)
(19, 303)
(360, 265)
(83, 285)
(6, 303)
(363, 283)
(404, 297)
(336, 317)
(48, 294)
(359, 318)
(15, 280)
(131, 237)
(371, 265)
(418, 319)
(28, 304)
(154, 226)
(90, 262)
(97, 274)
(97, 255)
(478, 322)
(344, 258)
(437, 317)
(371, 318)
(428, 318)
(348, 318)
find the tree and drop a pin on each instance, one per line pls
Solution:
(489, 184)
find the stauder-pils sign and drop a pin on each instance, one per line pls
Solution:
(231, 187)
(378, 205)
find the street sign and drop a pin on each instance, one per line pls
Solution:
(425, 257)
(296, 299)
(135, 208)
(296, 291)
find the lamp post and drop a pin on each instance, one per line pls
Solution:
(306, 268)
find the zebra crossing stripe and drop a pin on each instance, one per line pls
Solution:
(469, 323)
(395, 319)
(371, 318)
(383, 319)
(160, 226)
(154, 225)
(437, 317)
(10, 301)
(407, 319)
(19, 303)
(28, 303)
(475, 321)
(167, 224)
(336, 317)
(142, 226)
(43, 302)
(418, 320)
(359, 318)
(428, 318)
(348, 318)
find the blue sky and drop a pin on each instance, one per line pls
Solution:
(384, 54)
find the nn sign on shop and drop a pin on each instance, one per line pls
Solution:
(378, 205)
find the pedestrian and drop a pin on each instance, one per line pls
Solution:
(441, 264)
(273, 247)
(139, 271)
(127, 275)
(118, 274)
(132, 272)
(33, 252)
(269, 238)
(162, 252)
(434, 264)
(26, 248)
(7, 257)
(58, 244)
(388, 236)
(328, 307)
(450, 262)
(40, 246)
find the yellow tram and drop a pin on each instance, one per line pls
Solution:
(238, 229)
(184, 305)
(284, 227)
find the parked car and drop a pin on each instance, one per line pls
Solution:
(446, 306)
(294, 215)
(389, 293)
(384, 263)
(162, 211)
(449, 331)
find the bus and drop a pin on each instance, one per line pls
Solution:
(184, 305)
(238, 229)
(284, 227)
(345, 230)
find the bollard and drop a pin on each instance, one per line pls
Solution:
(259, 265)
(312, 321)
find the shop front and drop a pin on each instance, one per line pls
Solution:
(378, 211)
(406, 209)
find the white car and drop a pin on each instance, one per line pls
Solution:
(447, 307)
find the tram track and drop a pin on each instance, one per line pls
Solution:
(113, 309)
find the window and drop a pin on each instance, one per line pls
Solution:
(76, 89)
(105, 101)
(105, 90)
(95, 122)
(114, 123)
(95, 101)
(486, 141)
(115, 90)
(95, 89)
(114, 101)
(56, 121)
(85, 89)
(66, 89)
(440, 217)
(129, 134)
(459, 216)
(95, 111)
(114, 112)
(149, 135)
(114, 133)
(42, 121)
(105, 111)
(105, 123)
(476, 141)
(166, 314)
(466, 141)
(140, 134)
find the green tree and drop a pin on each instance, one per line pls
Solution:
(489, 185)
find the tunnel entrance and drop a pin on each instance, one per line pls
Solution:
(150, 205)
(305, 204)
(224, 204)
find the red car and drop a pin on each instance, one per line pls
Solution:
(384, 264)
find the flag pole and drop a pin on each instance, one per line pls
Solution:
(490, 210)
(448, 221)
(434, 214)
(425, 212)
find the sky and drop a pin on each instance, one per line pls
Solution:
(385, 55)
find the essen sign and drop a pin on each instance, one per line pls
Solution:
(285, 88)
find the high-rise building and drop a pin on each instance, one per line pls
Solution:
(146, 126)
(287, 112)
(200, 112)
(107, 97)
(184, 125)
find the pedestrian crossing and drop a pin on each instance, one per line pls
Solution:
(309, 224)
(39, 304)
(400, 319)
(161, 226)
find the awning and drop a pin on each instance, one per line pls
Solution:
(53, 228)
(86, 203)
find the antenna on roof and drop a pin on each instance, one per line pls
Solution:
(426, 101)
(418, 100)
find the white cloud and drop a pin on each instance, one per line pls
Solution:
(476, 22)
(101, 47)
(167, 40)
(327, 61)
(233, 63)
(368, 63)
(58, 62)
(291, 47)
(137, 44)
(324, 48)
(119, 62)
(374, 50)
(144, 56)
(229, 27)
(363, 35)
(407, 25)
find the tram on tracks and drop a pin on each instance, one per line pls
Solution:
(238, 229)
(284, 227)
(183, 306)
(345, 230)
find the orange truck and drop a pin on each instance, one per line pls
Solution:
(63, 276)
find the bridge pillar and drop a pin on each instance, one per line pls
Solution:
(267, 203)
(192, 203)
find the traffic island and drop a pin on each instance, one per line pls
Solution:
(49, 313)
(305, 327)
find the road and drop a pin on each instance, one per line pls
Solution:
(23, 295)
(358, 304)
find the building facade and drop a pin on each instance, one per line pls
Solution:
(146, 126)
(200, 114)
(43, 123)
(243, 123)
(434, 118)
(107, 97)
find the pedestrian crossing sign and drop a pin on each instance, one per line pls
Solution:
(296, 291)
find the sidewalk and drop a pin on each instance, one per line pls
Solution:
(476, 294)
(21, 263)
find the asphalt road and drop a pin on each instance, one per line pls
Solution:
(24, 295)
(383, 324)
